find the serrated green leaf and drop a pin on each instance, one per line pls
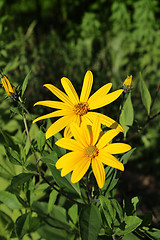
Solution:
(25, 83)
(129, 224)
(10, 200)
(145, 95)
(20, 179)
(90, 222)
(127, 114)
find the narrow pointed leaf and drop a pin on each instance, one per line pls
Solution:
(127, 114)
(145, 95)
(25, 83)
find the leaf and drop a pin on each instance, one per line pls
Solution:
(8, 140)
(57, 217)
(26, 224)
(108, 210)
(153, 233)
(10, 200)
(12, 155)
(25, 83)
(111, 179)
(50, 232)
(145, 95)
(20, 179)
(126, 156)
(73, 213)
(41, 140)
(129, 224)
(130, 236)
(52, 198)
(63, 182)
(127, 114)
(90, 222)
(117, 208)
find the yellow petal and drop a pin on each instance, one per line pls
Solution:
(98, 94)
(87, 86)
(104, 100)
(67, 132)
(78, 134)
(58, 126)
(67, 161)
(109, 122)
(57, 113)
(86, 120)
(61, 95)
(98, 170)
(96, 129)
(7, 85)
(86, 135)
(111, 161)
(69, 144)
(80, 169)
(54, 104)
(70, 162)
(116, 148)
(70, 90)
(106, 138)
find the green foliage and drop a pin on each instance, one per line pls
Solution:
(112, 38)
(127, 114)
(145, 95)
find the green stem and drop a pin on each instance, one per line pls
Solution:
(146, 123)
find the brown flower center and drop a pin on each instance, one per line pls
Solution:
(81, 108)
(91, 151)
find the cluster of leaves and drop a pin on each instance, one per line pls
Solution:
(36, 202)
(112, 38)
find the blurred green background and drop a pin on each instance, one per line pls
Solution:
(113, 39)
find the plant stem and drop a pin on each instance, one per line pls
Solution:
(52, 186)
(145, 123)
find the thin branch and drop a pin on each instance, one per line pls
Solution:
(145, 123)
(59, 191)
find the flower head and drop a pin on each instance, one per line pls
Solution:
(127, 83)
(89, 148)
(9, 88)
(78, 110)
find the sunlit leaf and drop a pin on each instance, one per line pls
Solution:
(10, 200)
(145, 94)
(127, 114)
(25, 83)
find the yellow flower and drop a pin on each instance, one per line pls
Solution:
(9, 88)
(75, 109)
(128, 82)
(90, 148)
